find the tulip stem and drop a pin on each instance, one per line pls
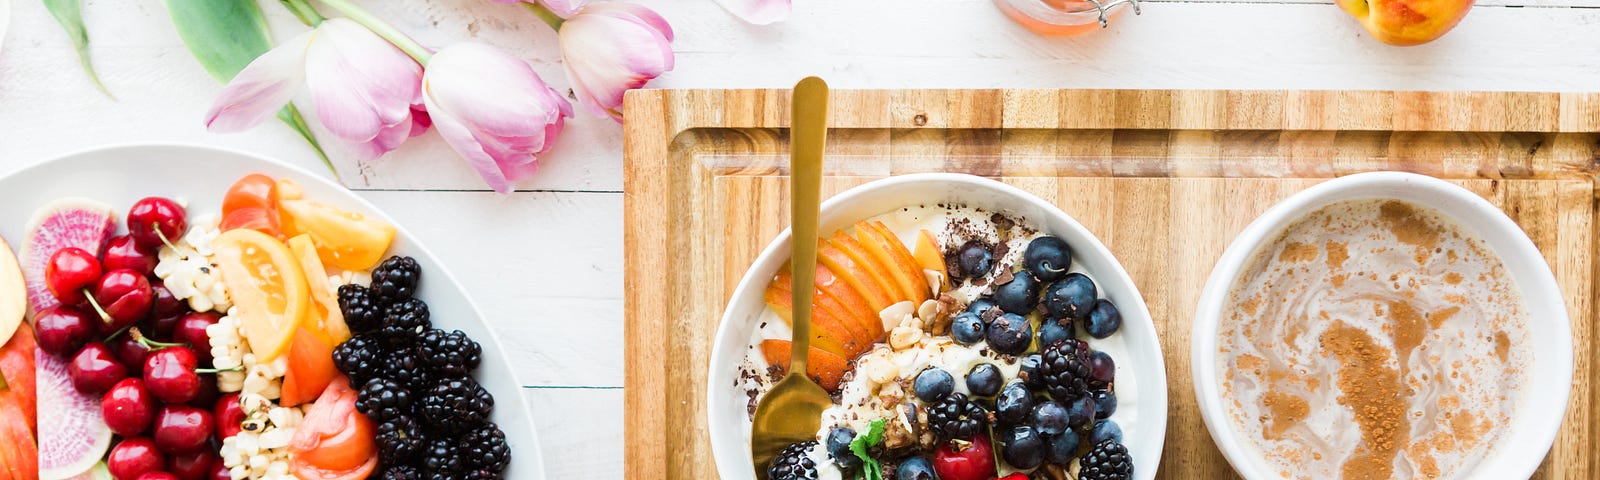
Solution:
(550, 18)
(304, 11)
(383, 29)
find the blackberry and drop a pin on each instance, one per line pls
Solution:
(360, 358)
(794, 463)
(403, 321)
(399, 439)
(383, 399)
(487, 449)
(1108, 460)
(451, 353)
(404, 366)
(401, 472)
(441, 459)
(1064, 370)
(396, 279)
(363, 312)
(481, 474)
(956, 418)
(455, 405)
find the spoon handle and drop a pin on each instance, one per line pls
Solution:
(808, 132)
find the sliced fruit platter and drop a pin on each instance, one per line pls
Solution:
(972, 336)
(266, 331)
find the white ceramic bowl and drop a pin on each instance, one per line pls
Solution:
(122, 175)
(1545, 399)
(726, 405)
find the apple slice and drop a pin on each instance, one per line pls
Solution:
(931, 257)
(847, 269)
(825, 368)
(876, 274)
(828, 329)
(891, 251)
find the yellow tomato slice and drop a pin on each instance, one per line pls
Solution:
(323, 317)
(266, 283)
(347, 240)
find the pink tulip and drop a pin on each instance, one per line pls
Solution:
(759, 12)
(562, 8)
(612, 47)
(493, 110)
(366, 91)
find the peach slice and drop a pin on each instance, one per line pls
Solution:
(876, 274)
(847, 269)
(825, 333)
(882, 252)
(825, 368)
(929, 255)
(853, 307)
(906, 268)
(833, 327)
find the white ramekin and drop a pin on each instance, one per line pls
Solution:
(1550, 380)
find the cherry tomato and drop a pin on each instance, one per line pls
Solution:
(334, 441)
(252, 191)
(258, 219)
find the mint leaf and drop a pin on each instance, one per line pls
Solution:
(871, 469)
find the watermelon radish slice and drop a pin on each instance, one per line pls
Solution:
(68, 222)
(77, 436)
(99, 472)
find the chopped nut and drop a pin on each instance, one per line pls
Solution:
(903, 337)
(880, 368)
(891, 393)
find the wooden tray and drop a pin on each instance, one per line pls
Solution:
(1164, 178)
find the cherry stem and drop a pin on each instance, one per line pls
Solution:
(163, 236)
(104, 317)
(117, 333)
(219, 370)
(149, 344)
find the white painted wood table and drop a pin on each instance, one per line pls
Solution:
(545, 262)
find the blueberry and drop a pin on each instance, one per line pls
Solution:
(1050, 418)
(1029, 371)
(973, 259)
(1047, 258)
(934, 384)
(1071, 297)
(1019, 295)
(1014, 404)
(915, 468)
(1105, 404)
(1052, 331)
(981, 305)
(1105, 430)
(967, 328)
(1061, 449)
(984, 380)
(839, 447)
(1102, 369)
(1010, 334)
(1081, 411)
(1104, 319)
(1023, 447)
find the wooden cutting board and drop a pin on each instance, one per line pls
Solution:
(1164, 178)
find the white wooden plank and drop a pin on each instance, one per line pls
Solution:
(580, 431)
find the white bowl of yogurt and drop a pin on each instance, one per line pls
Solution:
(1382, 325)
(906, 204)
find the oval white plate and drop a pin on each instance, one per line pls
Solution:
(200, 175)
(5, 21)
(726, 404)
(1550, 380)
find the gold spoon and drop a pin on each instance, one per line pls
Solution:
(792, 410)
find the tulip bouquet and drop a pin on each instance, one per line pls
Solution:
(372, 86)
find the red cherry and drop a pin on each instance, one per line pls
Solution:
(165, 310)
(129, 351)
(219, 471)
(170, 375)
(228, 415)
(157, 476)
(133, 457)
(153, 218)
(125, 296)
(182, 429)
(123, 252)
(71, 270)
(193, 466)
(973, 460)
(62, 330)
(191, 329)
(128, 407)
(208, 391)
(94, 369)
(1014, 476)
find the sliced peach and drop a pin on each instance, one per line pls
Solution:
(855, 309)
(890, 251)
(878, 272)
(885, 260)
(913, 269)
(929, 255)
(828, 331)
(846, 268)
(823, 367)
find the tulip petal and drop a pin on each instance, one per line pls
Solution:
(610, 48)
(493, 110)
(564, 8)
(758, 12)
(261, 88)
(362, 85)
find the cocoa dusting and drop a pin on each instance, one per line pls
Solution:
(1372, 391)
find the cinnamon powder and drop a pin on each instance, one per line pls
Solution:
(1372, 392)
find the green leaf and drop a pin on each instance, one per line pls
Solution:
(871, 468)
(69, 13)
(225, 36)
